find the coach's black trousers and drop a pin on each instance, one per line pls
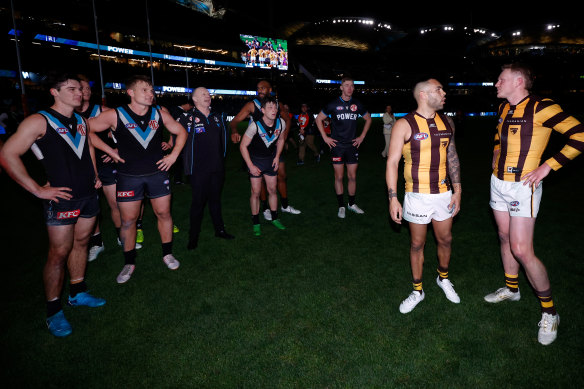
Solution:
(206, 188)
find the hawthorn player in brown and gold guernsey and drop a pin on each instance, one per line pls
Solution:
(425, 162)
(432, 170)
(524, 128)
(523, 134)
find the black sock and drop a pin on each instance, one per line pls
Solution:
(79, 287)
(95, 240)
(139, 224)
(118, 232)
(265, 204)
(284, 201)
(351, 199)
(130, 257)
(166, 248)
(255, 219)
(274, 214)
(340, 200)
(53, 307)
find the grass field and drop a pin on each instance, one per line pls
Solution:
(314, 306)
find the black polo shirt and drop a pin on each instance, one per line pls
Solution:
(206, 143)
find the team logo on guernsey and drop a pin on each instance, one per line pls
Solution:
(514, 203)
(142, 136)
(514, 131)
(77, 142)
(267, 136)
(353, 107)
(444, 143)
(420, 136)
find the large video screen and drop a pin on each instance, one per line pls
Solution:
(266, 53)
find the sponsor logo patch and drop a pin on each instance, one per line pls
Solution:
(68, 214)
(62, 130)
(128, 193)
(81, 129)
(153, 124)
(339, 108)
(512, 169)
(514, 203)
(197, 120)
(131, 126)
(199, 130)
(166, 182)
(420, 136)
(337, 159)
(353, 107)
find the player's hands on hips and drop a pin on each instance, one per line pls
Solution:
(357, 141)
(116, 156)
(534, 177)
(166, 162)
(166, 146)
(48, 192)
(235, 137)
(106, 158)
(330, 141)
(454, 205)
(395, 210)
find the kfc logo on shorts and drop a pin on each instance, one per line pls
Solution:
(62, 130)
(153, 124)
(514, 203)
(68, 214)
(131, 126)
(337, 159)
(353, 107)
(339, 108)
(128, 193)
(420, 136)
(81, 129)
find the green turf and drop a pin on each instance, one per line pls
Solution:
(313, 306)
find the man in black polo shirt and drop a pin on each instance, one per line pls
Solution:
(69, 197)
(203, 156)
(344, 112)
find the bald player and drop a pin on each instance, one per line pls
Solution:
(425, 138)
(525, 125)
(252, 110)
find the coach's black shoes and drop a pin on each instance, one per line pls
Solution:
(224, 235)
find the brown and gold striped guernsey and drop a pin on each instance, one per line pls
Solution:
(425, 168)
(523, 133)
